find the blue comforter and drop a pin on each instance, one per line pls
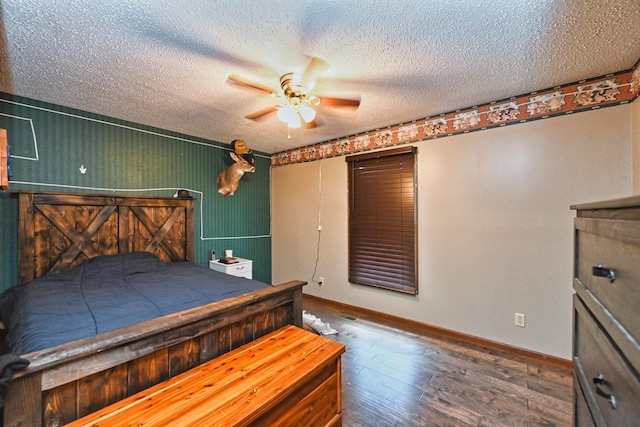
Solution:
(106, 293)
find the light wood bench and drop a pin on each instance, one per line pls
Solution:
(286, 378)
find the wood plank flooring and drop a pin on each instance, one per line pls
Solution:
(394, 376)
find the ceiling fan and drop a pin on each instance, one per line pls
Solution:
(296, 98)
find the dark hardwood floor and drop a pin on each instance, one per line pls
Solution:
(398, 376)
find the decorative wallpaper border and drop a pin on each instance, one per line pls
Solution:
(585, 95)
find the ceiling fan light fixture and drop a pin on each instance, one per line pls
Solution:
(286, 113)
(294, 122)
(307, 113)
(290, 115)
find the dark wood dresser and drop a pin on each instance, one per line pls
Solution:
(606, 313)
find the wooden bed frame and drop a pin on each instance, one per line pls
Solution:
(61, 230)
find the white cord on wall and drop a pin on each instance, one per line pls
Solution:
(315, 268)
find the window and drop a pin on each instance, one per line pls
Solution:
(382, 219)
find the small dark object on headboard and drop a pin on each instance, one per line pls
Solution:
(183, 194)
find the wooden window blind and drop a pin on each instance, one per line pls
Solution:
(382, 219)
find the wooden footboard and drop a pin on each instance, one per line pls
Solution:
(66, 382)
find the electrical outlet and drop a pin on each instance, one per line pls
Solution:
(519, 320)
(321, 280)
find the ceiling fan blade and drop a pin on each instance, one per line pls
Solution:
(327, 101)
(310, 125)
(234, 79)
(316, 68)
(261, 113)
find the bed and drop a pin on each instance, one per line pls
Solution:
(61, 234)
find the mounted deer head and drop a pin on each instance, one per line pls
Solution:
(229, 179)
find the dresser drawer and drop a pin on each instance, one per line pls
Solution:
(240, 270)
(603, 374)
(611, 244)
(581, 414)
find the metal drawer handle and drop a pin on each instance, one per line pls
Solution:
(599, 380)
(602, 271)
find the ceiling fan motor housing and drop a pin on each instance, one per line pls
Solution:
(294, 93)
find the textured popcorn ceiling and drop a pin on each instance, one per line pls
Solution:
(165, 63)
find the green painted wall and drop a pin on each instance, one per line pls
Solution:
(51, 143)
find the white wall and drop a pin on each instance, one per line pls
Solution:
(495, 227)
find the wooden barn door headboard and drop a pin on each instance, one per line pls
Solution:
(61, 230)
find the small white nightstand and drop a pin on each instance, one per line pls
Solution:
(242, 268)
